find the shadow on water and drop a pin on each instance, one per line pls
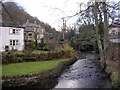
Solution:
(84, 73)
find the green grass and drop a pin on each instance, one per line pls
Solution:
(39, 51)
(28, 67)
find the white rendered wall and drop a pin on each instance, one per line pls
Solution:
(5, 38)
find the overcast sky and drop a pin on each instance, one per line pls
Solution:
(46, 10)
(51, 11)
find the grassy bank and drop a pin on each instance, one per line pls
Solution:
(44, 79)
(112, 61)
(28, 67)
(113, 71)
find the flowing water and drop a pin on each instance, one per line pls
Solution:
(84, 73)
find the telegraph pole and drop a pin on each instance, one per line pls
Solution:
(64, 28)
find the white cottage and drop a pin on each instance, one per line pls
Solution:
(11, 37)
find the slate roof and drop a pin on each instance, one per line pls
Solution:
(10, 24)
(33, 25)
(30, 26)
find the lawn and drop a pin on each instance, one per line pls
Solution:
(34, 52)
(28, 67)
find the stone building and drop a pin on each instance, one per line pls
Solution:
(33, 31)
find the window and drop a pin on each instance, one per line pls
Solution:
(14, 31)
(14, 42)
(10, 42)
(17, 31)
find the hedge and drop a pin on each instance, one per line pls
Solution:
(13, 57)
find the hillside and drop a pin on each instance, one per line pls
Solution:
(16, 15)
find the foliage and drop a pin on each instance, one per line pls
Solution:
(70, 34)
(42, 45)
(86, 32)
(28, 56)
(6, 48)
(67, 47)
(115, 80)
(11, 56)
(30, 45)
(87, 17)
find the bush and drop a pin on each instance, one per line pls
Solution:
(12, 57)
(67, 48)
(30, 45)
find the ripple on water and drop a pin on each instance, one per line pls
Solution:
(84, 73)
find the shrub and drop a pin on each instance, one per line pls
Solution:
(30, 45)
(68, 48)
(6, 48)
(13, 57)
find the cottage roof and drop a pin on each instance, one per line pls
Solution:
(33, 25)
(30, 26)
(10, 24)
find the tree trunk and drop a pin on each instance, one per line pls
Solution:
(105, 25)
(102, 59)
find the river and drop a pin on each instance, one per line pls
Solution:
(84, 73)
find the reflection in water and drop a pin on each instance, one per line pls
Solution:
(67, 84)
(85, 73)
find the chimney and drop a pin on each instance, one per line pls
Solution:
(1, 13)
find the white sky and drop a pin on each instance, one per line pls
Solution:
(45, 10)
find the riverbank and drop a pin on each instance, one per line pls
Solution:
(112, 57)
(46, 79)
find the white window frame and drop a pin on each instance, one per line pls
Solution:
(17, 31)
(14, 42)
